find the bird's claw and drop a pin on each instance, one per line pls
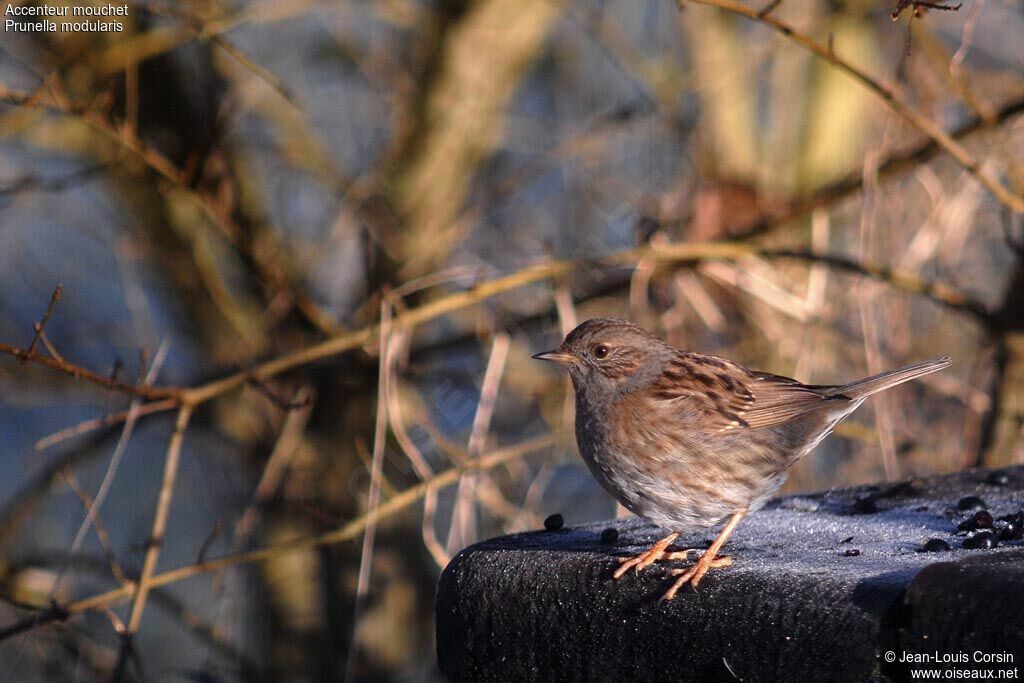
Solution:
(645, 559)
(638, 562)
(693, 575)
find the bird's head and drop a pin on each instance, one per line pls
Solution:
(608, 353)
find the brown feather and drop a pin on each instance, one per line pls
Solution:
(731, 397)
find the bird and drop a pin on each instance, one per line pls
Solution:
(687, 440)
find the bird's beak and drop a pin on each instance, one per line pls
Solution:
(557, 357)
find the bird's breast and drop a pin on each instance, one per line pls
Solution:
(670, 472)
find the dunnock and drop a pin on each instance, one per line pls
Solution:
(687, 440)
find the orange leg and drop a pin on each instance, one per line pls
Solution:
(708, 560)
(655, 553)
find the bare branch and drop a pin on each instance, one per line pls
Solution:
(156, 536)
(79, 372)
(345, 533)
(39, 326)
(100, 422)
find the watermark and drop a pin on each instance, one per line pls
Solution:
(963, 665)
(72, 18)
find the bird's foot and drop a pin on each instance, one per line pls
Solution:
(656, 553)
(693, 575)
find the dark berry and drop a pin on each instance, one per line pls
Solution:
(852, 552)
(554, 522)
(610, 535)
(970, 503)
(1016, 518)
(997, 478)
(935, 545)
(1012, 527)
(983, 540)
(983, 519)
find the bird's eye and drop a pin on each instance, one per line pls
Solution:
(600, 351)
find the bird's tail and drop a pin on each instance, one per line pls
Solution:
(863, 388)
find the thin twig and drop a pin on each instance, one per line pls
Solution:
(769, 8)
(423, 470)
(211, 538)
(103, 381)
(960, 80)
(100, 422)
(283, 405)
(428, 531)
(276, 466)
(463, 523)
(376, 474)
(97, 523)
(814, 297)
(160, 517)
(119, 449)
(868, 310)
(49, 346)
(39, 326)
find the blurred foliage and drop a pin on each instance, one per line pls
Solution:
(225, 184)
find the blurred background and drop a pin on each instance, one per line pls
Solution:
(368, 215)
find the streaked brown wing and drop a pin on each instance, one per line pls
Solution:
(781, 399)
(727, 396)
